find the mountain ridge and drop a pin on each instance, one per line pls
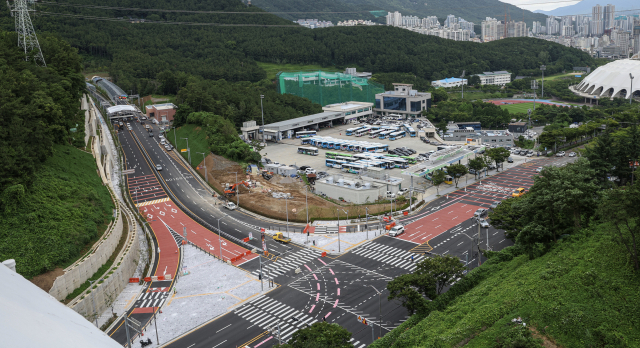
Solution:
(584, 8)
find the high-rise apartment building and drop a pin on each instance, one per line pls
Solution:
(516, 29)
(394, 19)
(490, 30)
(451, 21)
(553, 26)
(597, 24)
(608, 15)
(430, 22)
(410, 21)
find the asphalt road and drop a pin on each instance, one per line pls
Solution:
(310, 288)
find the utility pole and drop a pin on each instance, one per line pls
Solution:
(366, 224)
(286, 207)
(379, 310)
(478, 222)
(631, 89)
(219, 240)
(462, 83)
(204, 164)
(27, 38)
(262, 111)
(188, 150)
(542, 68)
(174, 136)
(534, 86)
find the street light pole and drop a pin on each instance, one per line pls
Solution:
(188, 150)
(542, 68)
(286, 207)
(379, 310)
(262, 111)
(204, 161)
(174, 136)
(631, 92)
(366, 225)
(219, 233)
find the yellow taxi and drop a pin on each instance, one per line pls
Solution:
(518, 192)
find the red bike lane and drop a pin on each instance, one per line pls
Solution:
(432, 225)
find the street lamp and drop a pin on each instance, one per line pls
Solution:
(347, 214)
(219, 233)
(204, 161)
(542, 68)
(262, 112)
(188, 150)
(631, 95)
(379, 309)
(237, 189)
(174, 136)
(286, 208)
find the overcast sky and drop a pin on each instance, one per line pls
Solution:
(545, 5)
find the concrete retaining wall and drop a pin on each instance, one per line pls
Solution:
(95, 301)
(84, 268)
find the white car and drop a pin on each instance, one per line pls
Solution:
(483, 223)
(158, 167)
(480, 213)
(309, 171)
(539, 169)
(403, 191)
(396, 230)
(230, 206)
(572, 154)
(391, 195)
(560, 154)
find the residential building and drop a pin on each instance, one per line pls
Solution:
(402, 100)
(499, 78)
(353, 72)
(314, 23)
(451, 21)
(517, 127)
(490, 30)
(516, 29)
(430, 22)
(597, 24)
(608, 15)
(449, 82)
(553, 26)
(163, 113)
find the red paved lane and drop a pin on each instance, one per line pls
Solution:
(167, 214)
(169, 256)
(434, 224)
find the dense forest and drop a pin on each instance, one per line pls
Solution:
(135, 53)
(52, 202)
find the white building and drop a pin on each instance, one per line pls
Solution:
(402, 100)
(490, 30)
(499, 78)
(449, 82)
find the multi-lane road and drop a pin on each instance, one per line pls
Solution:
(309, 287)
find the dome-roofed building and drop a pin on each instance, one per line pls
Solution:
(612, 80)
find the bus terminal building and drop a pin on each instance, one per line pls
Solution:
(333, 115)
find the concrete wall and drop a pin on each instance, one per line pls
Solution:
(357, 196)
(95, 301)
(84, 268)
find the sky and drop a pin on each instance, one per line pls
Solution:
(545, 5)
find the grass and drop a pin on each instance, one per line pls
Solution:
(557, 76)
(273, 68)
(64, 209)
(475, 95)
(197, 142)
(582, 293)
(519, 108)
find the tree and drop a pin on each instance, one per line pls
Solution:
(498, 155)
(474, 80)
(619, 207)
(440, 95)
(437, 179)
(429, 279)
(508, 216)
(320, 335)
(457, 171)
(477, 164)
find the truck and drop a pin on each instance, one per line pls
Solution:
(279, 237)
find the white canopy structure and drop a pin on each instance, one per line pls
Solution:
(613, 80)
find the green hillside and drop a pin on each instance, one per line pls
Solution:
(470, 10)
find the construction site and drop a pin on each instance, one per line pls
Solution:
(272, 198)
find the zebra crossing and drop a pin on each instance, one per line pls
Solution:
(386, 254)
(289, 262)
(151, 299)
(155, 201)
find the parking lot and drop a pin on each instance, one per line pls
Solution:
(286, 152)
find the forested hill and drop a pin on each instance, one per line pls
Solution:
(135, 53)
(471, 10)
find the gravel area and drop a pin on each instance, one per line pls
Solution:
(210, 289)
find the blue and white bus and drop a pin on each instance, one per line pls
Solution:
(370, 148)
(374, 133)
(308, 150)
(334, 163)
(410, 130)
(400, 162)
(352, 131)
(385, 134)
(353, 168)
(362, 131)
(346, 159)
(382, 148)
(397, 135)
(306, 134)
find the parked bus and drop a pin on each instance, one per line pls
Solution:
(345, 158)
(333, 163)
(397, 135)
(400, 163)
(410, 130)
(352, 131)
(388, 162)
(385, 134)
(362, 131)
(410, 160)
(306, 134)
(353, 168)
(382, 148)
(308, 150)
(374, 133)
(331, 155)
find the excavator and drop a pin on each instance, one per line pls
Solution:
(231, 190)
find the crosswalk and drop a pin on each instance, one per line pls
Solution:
(151, 299)
(267, 313)
(386, 254)
(288, 263)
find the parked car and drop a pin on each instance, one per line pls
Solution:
(391, 195)
(396, 230)
(560, 154)
(403, 191)
(303, 168)
(572, 154)
(309, 171)
(509, 160)
(158, 167)
(168, 147)
(151, 134)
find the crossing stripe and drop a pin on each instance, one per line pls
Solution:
(153, 202)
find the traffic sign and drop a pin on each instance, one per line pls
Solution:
(183, 150)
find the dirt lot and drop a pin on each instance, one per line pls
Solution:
(45, 280)
(259, 199)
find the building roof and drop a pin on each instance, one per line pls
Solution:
(347, 106)
(166, 106)
(451, 80)
(489, 73)
(119, 108)
(613, 76)
(304, 120)
(518, 123)
(33, 318)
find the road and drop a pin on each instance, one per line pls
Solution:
(307, 287)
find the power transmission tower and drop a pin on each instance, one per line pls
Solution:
(26, 35)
